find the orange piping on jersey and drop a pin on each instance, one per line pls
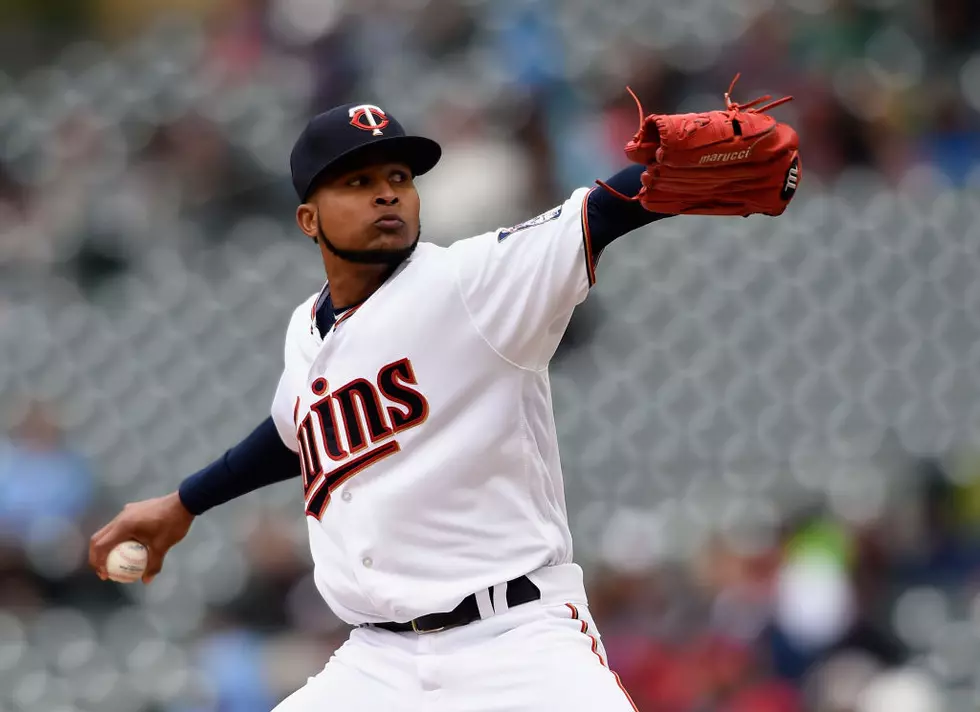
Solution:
(628, 698)
(585, 627)
(345, 316)
(313, 329)
(590, 259)
(595, 646)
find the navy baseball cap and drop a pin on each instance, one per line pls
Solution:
(335, 139)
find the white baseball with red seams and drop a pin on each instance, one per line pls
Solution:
(424, 424)
(127, 562)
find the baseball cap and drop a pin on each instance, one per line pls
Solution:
(337, 137)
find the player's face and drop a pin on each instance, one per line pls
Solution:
(375, 207)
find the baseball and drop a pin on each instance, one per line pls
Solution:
(127, 562)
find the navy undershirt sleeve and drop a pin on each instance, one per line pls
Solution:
(260, 459)
(610, 216)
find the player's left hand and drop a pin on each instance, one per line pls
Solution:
(739, 161)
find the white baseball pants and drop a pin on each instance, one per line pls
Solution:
(543, 656)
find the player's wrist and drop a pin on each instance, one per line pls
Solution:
(176, 502)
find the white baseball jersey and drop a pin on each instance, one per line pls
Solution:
(424, 423)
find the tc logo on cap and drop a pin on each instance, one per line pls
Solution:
(368, 117)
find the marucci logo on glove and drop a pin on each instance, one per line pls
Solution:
(731, 156)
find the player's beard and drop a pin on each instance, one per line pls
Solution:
(391, 257)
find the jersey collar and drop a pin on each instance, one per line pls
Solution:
(321, 315)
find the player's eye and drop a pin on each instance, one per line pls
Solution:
(400, 177)
(357, 181)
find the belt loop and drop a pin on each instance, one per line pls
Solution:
(483, 603)
(500, 598)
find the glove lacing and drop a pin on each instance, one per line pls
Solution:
(732, 108)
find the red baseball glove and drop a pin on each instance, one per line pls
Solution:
(739, 161)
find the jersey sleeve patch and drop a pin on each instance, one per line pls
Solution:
(506, 232)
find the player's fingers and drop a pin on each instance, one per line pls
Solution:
(102, 542)
(154, 563)
(98, 551)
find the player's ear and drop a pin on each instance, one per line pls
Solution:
(306, 218)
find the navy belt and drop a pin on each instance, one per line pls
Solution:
(520, 590)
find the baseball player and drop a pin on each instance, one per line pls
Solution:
(414, 407)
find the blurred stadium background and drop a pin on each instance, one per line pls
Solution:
(769, 427)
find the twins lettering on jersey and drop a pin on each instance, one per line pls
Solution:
(352, 427)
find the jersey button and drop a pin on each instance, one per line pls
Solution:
(345, 496)
(368, 563)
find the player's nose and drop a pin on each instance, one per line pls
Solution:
(385, 193)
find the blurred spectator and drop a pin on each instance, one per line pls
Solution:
(231, 660)
(42, 480)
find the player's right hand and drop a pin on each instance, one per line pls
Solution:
(157, 524)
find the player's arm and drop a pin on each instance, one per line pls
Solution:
(259, 460)
(521, 284)
(268, 455)
(607, 217)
